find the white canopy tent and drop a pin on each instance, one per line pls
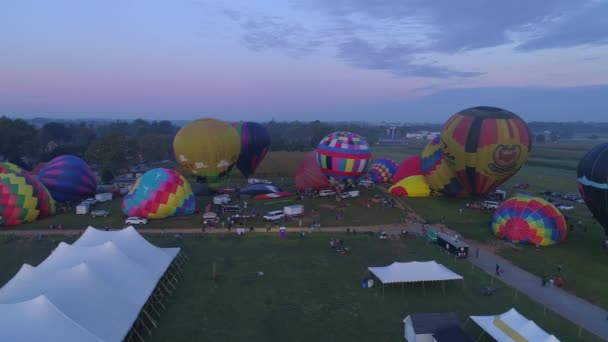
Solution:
(93, 290)
(415, 271)
(511, 326)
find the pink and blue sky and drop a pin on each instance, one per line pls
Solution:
(395, 60)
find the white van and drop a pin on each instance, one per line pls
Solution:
(490, 204)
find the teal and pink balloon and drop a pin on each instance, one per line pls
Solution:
(255, 142)
(68, 179)
(343, 157)
(592, 181)
(159, 193)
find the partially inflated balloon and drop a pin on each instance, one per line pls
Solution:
(22, 197)
(343, 157)
(68, 179)
(529, 220)
(208, 149)
(412, 186)
(309, 175)
(409, 167)
(255, 142)
(592, 179)
(485, 146)
(159, 193)
(382, 170)
(437, 172)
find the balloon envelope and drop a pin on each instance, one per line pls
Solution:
(159, 193)
(382, 170)
(437, 172)
(22, 197)
(484, 147)
(309, 175)
(409, 167)
(343, 157)
(255, 142)
(412, 186)
(529, 220)
(207, 149)
(68, 179)
(592, 181)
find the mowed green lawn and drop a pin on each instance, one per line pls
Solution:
(308, 292)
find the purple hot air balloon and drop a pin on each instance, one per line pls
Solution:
(68, 179)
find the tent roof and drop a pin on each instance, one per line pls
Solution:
(512, 326)
(405, 272)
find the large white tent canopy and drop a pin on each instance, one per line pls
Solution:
(93, 290)
(415, 271)
(513, 326)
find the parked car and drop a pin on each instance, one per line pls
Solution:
(100, 213)
(521, 186)
(136, 220)
(344, 195)
(490, 204)
(274, 215)
(326, 193)
(565, 207)
(91, 201)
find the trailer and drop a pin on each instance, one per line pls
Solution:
(294, 210)
(104, 197)
(83, 208)
(453, 245)
(221, 199)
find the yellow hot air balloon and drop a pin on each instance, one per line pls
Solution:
(207, 149)
(412, 186)
(437, 172)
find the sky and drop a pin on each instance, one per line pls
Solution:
(329, 60)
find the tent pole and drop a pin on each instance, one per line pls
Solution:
(145, 326)
(443, 286)
(159, 301)
(172, 275)
(138, 335)
(154, 309)
(170, 283)
(184, 256)
(480, 335)
(150, 318)
(166, 288)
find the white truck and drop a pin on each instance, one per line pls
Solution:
(104, 197)
(294, 210)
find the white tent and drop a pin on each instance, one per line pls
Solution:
(406, 272)
(512, 326)
(38, 319)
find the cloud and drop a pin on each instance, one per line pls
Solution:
(395, 58)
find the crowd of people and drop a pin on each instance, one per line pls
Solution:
(338, 246)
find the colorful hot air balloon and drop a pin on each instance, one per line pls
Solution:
(592, 179)
(437, 172)
(208, 149)
(412, 186)
(484, 147)
(409, 167)
(22, 197)
(68, 179)
(382, 170)
(159, 193)
(529, 220)
(255, 142)
(343, 157)
(309, 175)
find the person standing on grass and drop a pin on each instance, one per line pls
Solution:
(497, 269)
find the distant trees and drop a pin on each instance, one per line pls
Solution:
(111, 154)
(540, 138)
(18, 141)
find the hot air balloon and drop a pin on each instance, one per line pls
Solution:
(22, 197)
(255, 142)
(409, 167)
(309, 175)
(382, 170)
(68, 179)
(208, 149)
(437, 172)
(343, 157)
(412, 186)
(592, 179)
(529, 220)
(159, 193)
(484, 147)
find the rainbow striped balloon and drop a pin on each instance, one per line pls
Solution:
(22, 197)
(343, 157)
(383, 170)
(159, 193)
(529, 220)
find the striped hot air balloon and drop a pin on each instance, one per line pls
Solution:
(255, 142)
(529, 220)
(382, 170)
(592, 180)
(68, 179)
(437, 172)
(343, 157)
(159, 193)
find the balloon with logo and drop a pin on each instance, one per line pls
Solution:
(484, 147)
(309, 175)
(22, 197)
(592, 181)
(159, 193)
(529, 220)
(343, 157)
(68, 179)
(207, 149)
(382, 170)
(437, 172)
(255, 142)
